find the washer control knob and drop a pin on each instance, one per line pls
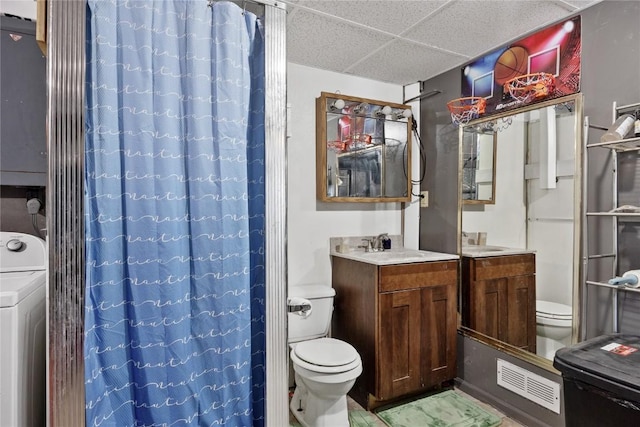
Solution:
(14, 245)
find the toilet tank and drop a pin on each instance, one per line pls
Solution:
(316, 325)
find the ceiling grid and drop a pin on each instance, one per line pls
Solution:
(403, 42)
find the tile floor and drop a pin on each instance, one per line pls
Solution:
(374, 421)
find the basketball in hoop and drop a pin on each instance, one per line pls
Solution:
(530, 87)
(463, 110)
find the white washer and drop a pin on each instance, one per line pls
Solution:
(22, 330)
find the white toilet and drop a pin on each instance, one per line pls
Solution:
(325, 368)
(553, 327)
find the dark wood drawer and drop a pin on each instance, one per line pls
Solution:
(421, 275)
(503, 266)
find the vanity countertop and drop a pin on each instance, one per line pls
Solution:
(395, 256)
(476, 251)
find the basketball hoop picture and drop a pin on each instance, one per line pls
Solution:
(530, 87)
(537, 67)
(463, 110)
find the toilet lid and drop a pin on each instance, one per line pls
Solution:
(553, 310)
(326, 352)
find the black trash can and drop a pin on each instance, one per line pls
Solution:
(601, 381)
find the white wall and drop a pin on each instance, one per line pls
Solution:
(551, 217)
(505, 221)
(22, 8)
(311, 223)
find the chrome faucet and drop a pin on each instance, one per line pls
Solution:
(378, 242)
(368, 245)
(375, 244)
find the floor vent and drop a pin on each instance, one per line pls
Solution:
(538, 389)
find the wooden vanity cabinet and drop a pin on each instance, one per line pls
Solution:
(402, 320)
(499, 298)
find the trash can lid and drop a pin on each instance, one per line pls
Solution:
(609, 362)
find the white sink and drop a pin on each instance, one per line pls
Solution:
(397, 256)
(483, 251)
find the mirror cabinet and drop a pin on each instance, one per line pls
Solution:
(529, 220)
(363, 150)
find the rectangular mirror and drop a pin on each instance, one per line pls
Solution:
(520, 255)
(363, 150)
(478, 167)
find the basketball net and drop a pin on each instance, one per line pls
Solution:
(529, 87)
(463, 110)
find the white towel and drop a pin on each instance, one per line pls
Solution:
(633, 273)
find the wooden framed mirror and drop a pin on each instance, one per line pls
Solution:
(525, 248)
(363, 150)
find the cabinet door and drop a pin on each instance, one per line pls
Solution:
(439, 324)
(399, 344)
(521, 306)
(489, 312)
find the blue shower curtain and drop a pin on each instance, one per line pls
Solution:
(174, 313)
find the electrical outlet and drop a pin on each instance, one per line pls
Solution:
(35, 199)
(424, 200)
(33, 206)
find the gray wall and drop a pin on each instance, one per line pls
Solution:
(610, 72)
(439, 221)
(22, 141)
(477, 376)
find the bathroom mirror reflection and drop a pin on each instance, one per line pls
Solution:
(478, 173)
(363, 150)
(521, 254)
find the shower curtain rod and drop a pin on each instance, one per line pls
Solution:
(273, 3)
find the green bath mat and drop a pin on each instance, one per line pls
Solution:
(446, 409)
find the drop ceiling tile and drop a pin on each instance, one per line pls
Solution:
(394, 17)
(338, 35)
(403, 62)
(325, 43)
(474, 27)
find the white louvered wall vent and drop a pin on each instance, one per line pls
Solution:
(538, 389)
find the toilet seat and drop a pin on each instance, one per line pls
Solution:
(325, 355)
(552, 310)
(545, 321)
